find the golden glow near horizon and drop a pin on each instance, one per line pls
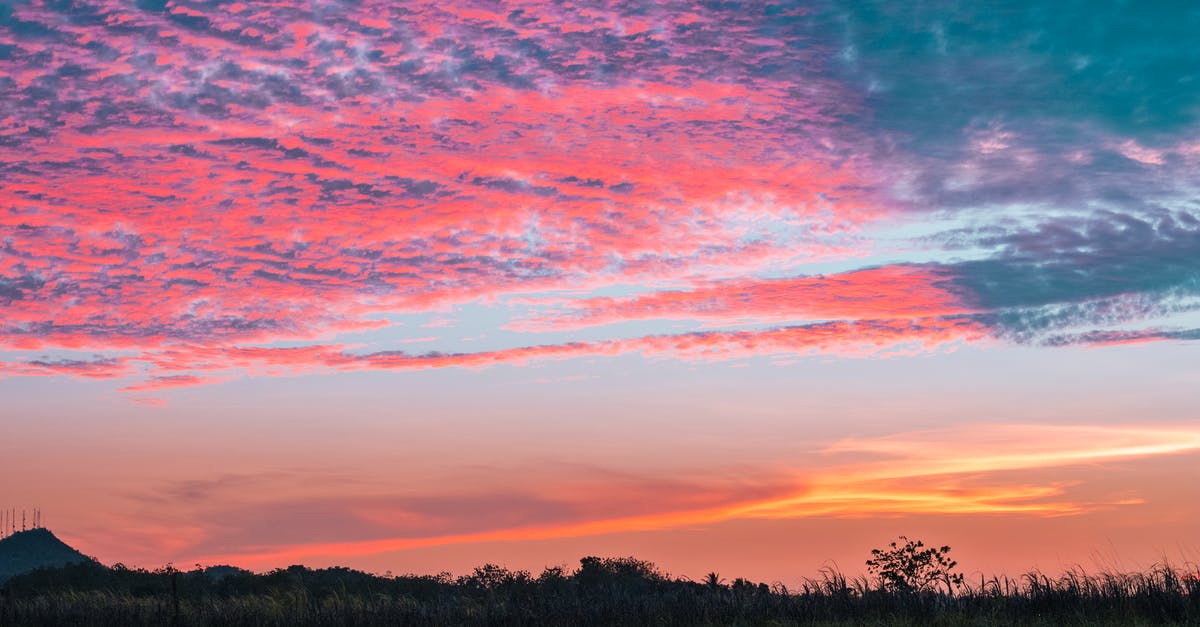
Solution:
(922, 475)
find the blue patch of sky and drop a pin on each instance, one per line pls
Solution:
(929, 69)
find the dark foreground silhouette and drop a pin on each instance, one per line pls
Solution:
(36, 548)
(601, 591)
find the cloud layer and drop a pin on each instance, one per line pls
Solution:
(963, 471)
(187, 184)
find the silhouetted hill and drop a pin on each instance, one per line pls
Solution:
(27, 551)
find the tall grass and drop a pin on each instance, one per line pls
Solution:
(603, 591)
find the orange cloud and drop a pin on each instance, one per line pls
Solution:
(932, 472)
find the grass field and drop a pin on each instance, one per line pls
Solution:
(602, 591)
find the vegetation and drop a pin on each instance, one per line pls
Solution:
(913, 568)
(908, 587)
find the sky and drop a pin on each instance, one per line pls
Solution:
(749, 288)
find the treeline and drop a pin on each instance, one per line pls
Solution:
(602, 591)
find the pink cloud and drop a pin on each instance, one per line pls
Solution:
(848, 339)
(885, 292)
(170, 381)
(250, 198)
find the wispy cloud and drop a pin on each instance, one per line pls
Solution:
(169, 381)
(967, 470)
(885, 292)
(860, 338)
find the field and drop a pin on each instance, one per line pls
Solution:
(602, 591)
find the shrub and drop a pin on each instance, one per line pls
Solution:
(910, 567)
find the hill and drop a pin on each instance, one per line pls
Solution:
(25, 551)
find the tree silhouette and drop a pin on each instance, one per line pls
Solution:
(911, 567)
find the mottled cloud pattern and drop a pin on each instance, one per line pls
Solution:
(196, 191)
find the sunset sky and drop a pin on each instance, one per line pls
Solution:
(738, 287)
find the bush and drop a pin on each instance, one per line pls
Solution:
(912, 568)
